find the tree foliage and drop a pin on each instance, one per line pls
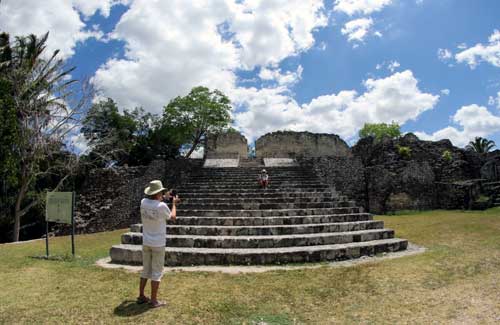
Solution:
(132, 137)
(190, 118)
(35, 97)
(380, 130)
(480, 145)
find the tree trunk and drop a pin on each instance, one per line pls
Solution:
(18, 211)
(195, 144)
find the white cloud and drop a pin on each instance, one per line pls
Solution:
(59, 18)
(357, 29)
(366, 7)
(444, 54)
(89, 7)
(494, 101)
(269, 31)
(172, 46)
(287, 78)
(390, 66)
(445, 92)
(78, 142)
(489, 52)
(474, 121)
(395, 98)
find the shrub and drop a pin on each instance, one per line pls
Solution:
(447, 156)
(379, 130)
(404, 152)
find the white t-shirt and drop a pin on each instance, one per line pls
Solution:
(154, 216)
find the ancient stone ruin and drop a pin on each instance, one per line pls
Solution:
(227, 219)
(317, 208)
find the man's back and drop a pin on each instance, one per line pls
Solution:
(154, 215)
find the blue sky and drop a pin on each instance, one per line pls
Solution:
(322, 66)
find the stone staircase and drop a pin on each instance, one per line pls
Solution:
(493, 190)
(225, 218)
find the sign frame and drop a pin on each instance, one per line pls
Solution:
(51, 218)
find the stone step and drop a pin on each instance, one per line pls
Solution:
(250, 205)
(267, 230)
(256, 195)
(252, 185)
(267, 213)
(225, 178)
(256, 190)
(253, 169)
(268, 221)
(135, 238)
(274, 170)
(132, 254)
(251, 182)
(212, 174)
(198, 200)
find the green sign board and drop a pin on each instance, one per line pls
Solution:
(59, 207)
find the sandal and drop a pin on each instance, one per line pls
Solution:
(157, 304)
(143, 300)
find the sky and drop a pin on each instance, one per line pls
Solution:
(304, 65)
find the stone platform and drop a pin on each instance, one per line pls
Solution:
(226, 219)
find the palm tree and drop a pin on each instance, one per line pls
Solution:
(39, 88)
(481, 145)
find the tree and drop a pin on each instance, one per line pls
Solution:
(133, 137)
(379, 130)
(110, 134)
(189, 119)
(39, 103)
(481, 145)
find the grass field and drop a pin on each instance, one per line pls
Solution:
(456, 281)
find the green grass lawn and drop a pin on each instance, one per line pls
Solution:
(456, 281)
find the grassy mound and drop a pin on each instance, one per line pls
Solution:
(456, 280)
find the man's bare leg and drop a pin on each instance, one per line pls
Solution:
(142, 286)
(154, 294)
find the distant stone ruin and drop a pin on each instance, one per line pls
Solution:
(288, 144)
(229, 145)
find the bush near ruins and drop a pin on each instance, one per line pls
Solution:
(404, 151)
(447, 156)
(380, 130)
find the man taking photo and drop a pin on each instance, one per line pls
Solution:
(154, 216)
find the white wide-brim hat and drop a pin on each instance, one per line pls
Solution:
(154, 187)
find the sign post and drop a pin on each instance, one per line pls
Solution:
(60, 209)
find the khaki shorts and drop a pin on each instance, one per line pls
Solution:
(153, 259)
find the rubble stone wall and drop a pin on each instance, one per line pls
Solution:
(230, 145)
(288, 144)
(343, 174)
(109, 198)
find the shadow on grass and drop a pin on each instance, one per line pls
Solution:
(130, 308)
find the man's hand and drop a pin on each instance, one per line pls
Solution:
(176, 200)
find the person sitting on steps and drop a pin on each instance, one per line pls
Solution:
(154, 214)
(263, 179)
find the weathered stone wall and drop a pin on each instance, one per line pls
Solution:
(424, 180)
(491, 167)
(230, 145)
(288, 144)
(109, 199)
(381, 180)
(343, 174)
